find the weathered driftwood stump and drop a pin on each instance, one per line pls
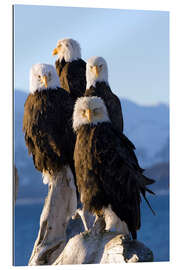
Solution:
(103, 248)
(60, 205)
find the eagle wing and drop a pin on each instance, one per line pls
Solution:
(119, 175)
(112, 103)
(62, 69)
(59, 67)
(115, 112)
(47, 126)
(72, 76)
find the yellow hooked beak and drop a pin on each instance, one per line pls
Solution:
(44, 81)
(88, 114)
(96, 71)
(56, 51)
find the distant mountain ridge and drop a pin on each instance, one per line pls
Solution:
(146, 126)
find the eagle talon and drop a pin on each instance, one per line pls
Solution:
(81, 213)
(76, 216)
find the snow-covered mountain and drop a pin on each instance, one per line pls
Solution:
(146, 126)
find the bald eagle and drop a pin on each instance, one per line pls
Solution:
(97, 85)
(108, 176)
(70, 68)
(47, 125)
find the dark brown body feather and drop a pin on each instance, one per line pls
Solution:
(107, 173)
(72, 76)
(111, 101)
(47, 125)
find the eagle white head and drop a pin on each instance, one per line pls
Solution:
(96, 71)
(67, 48)
(89, 110)
(43, 76)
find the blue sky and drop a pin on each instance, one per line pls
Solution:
(134, 43)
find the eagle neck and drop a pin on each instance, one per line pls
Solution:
(96, 84)
(87, 127)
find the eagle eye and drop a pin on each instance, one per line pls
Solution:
(82, 112)
(96, 110)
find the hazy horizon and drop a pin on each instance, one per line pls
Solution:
(124, 98)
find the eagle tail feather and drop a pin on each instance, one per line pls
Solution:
(148, 204)
(144, 181)
(150, 191)
(149, 181)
